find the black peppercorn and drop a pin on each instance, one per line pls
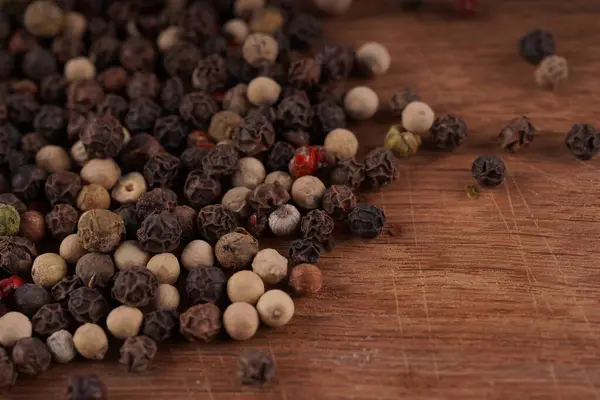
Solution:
(53, 89)
(62, 187)
(201, 322)
(139, 150)
(170, 132)
(400, 100)
(95, 270)
(366, 221)
(337, 62)
(158, 199)
(12, 200)
(198, 22)
(304, 31)
(254, 135)
(583, 141)
(50, 318)
(205, 285)
(338, 201)
(50, 122)
(210, 74)
(215, 45)
(77, 122)
(32, 142)
(171, 94)
(536, 45)
(160, 325)
(84, 94)
(255, 367)
(143, 84)
(135, 287)
(294, 112)
(162, 169)
(518, 133)
(448, 131)
(8, 372)
(191, 158)
(137, 352)
(7, 64)
(142, 115)
(137, 54)
(22, 109)
(87, 305)
(28, 182)
(132, 223)
(239, 69)
(86, 387)
(488, 170)
(9, 135)
(31, 356)
(221, 160)
(304, 251)
(201, 189)
(317, 226)
(62, 221)
(15, 160)
(103, 137)
(280, 156)
(66, 47)
(257, 224)
(215, 221)
(29, 298)
(197, 109)
(266, 197)
(304, 73)
(181, 60)
(38, 63)
(114, 106)
(160, 232)
(380, 167)
(327, 117)
(17, 255)
(63, 289)
(104, 51)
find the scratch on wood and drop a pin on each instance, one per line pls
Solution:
(554, 381)
(206, 379)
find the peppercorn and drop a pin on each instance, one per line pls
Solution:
(10, 220)
(241, 321)
(518, 133)
(191, 158)
(15, 326)
(86, 386)
(276, 308)
(536, 45)
(418, 117)
(142, 115)
(307, 192)
(50, 318)
(63, 289)
(304, 251)
(83, 95)
(104, 172)
(168, 38)
(71, 249)
(306, 279)
(160, 232)
(160, 325)
(583, 141)
(158, 199)
(32, 142)
(215, 221)
(43, 18)
(62, 221)
(113, 79)
(139, 150)
(103, 137)
(48, 269)
(488, 170)
(62, 187)
(366, 220)
(50, 122)
(22, 109)
(181, 59)
(236, 249)
(337, 62)
(29, 298)
(104, 51)
(90, 341)
(551, 71)
(51, 159)
(236, 99)
(95, 269)
(137, 352)
(328, 116)
(341, 144)
(93, 196)
(200, 189)
(350, 173)
(8, 372)
(197, 109)
(31, 356)
(171, 132)
(130, 254)
(267, 197)
(135, 286)
(400, 142)
(100, 230)
(129, 188)
(448, 131)
(61, 346)
(205, 285)
(162, 169)
(210, 74)
(167, 298)
(294, 112)
(201, 322)
(32, 226)
(197, 254)
(380, 167)
(12, 200)
(76, 123)
(79, 67)
(373, 59)
(338, 201)
(124, 322)
(87, 305)
(254, 135)
(263, 91)
(236, 30)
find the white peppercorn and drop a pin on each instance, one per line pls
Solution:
(130, 254)
(93, 196)
(551, 71)
(236, 201)
(271, 266)
(197, 254)
(14, 326)
(245, 8)
(167, 297)
(260, 49)
(373, 59)
(250, 173)
(417, 117)
(129, 188)
(124, 322)
(245, 286)
(236, 100)
(276, 308)
(341, 143)
(48, 269)
(61, 346)
(307, 192)
(266, 20)
(79, 68)
(90, 341)
(165, 267)
(236, 249)
(361, 103)
(43, 18)
(333, 7)
(236, 30)
(168, 38)
(241, 321)
(263, 91)
(284, 220)
(280, 177)
(79, 154)
(223, 124)
(71, 249)
(53, 158)
(75, 24)
(104, 172)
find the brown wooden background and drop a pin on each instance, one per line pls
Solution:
(494, 298)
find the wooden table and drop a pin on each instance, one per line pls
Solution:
(493, 298)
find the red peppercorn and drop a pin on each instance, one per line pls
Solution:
(200, 139)
(307, 160)
(9, 284)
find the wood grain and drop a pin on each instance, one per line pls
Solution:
(493, 298)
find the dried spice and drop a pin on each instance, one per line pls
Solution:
(113, 79)
(366, 221)
(255, 367)
(488, 170)
(113, 106)
(86, 387)
(338, 201)
(139, 150)
(294, 112)
(327, 116)
(29, 298)
(551, 71)
(38, 63)
(304, 251)
(361, 103)
(62, 187)
(77, 122)
(132, 223)
(100, 230)
(135, 287)
(191, 158)
(16, 254)
(317, 226)
(304, 31)
(380, 167)
(31, 356)
(337, 62)
(518, 133)
(28, 182)
(156, 200)
(53, 89)
(87, 305)
(66, 48)
(210, 74)
(536, 45)
(280, 156)
(84, 94)
(402, 143)
(221, 160)
(304, 73)
(160, 325)
(8, 372)
(62, 221)
(137, 352)
(401, 99)
(50, 318)
(583, 141)
(181, 60)
(267, 197)
(215, 45)
(200, 189)
(104, 51)
(215, 221)
(33, 226)
(32, 142)
(257, 224)
(12, 200)
(197, 109)
(205, 285)
(186, 216)
(143, 84)
(137, 54)
(306, 279)
(201, 322)
(63, 289)
(162, 169)
(198, 22)
(22, 108)
(95, 269)
(170, 132)
(448, 132)
(142, 115)
(160, 232)
(50, 122)
(254, 135)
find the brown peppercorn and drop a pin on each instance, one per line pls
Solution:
(135, 287)
(139, 150)
(113, 79)
(181, 59)
(191, 158)
(103, 137)
(221, 160)
(171, 132)
(93, 196)
(62, 187)
(201, 322)
(33, 226)
(380, 167)
(304, 251)
(255, 367)
(162, 169)
(350, 173)
(338, 201)
(86, 387)
(12, 200)
(77, 122)
(210, 74)
(141, 115)
(317, 226)
(215, 221)
(267, 197)
(83, 95)
(104, 51)
(304, 31)
(53, 89)
(50, 318)
(448, 131)
(401, 99)
(87, 305)
(294, 112)
(22, 108)
(160, 233)
(197, 109)
(366, 221)
(518, 133)
(236, 99)
(143, 84)
(158, 199)
(137, 54)
(205, 285)
(236, 249)
(62, 221)
(29, 298)
(160, 325)
(304, 73)
(100, 230)
(63, 289)
(31, 356)
(137, 352)
(254, 135)
(17, 255)
(8, 372)
(186, 216)
(337, 62)
(306, 279)
(201, 189)
(95, 269)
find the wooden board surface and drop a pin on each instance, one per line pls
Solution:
(494, 298)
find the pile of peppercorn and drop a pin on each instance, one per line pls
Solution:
(140, 137)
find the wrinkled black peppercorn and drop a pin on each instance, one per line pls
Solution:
(181, 59)
(171, 94)
(114, 106)
(518, 133)
(536, 45)
(50, 122)
(162, 169)
(205, 285)
(160, 233)
(304, 31)
(448, 131)
(29, 298)
(139, 150)
(380, 167)
(210, 74)
(28, 182)
(221, 160)
(197, 109)
(86, 387)
(141, 115)
(266, 197)
(63, 289)
(304, 251)
(201, 189)
(63, 187)
(215, 221)
(488, 170)
(135, 287)
(160, 325)
(62, 221)
(132, 223)
(87, 305)
(191, 158)
(50, 318)
(280, 156)
(31, 356)
(327, 117)
(294, 112)
(16, 255)
(170, 132)
(156, 200)
(137, 352)
(366, 220)
(255, 367)
(583, 141)
(254, 135)
(337, 62)
(338, 201)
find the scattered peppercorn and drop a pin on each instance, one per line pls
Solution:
(201, 322)
(366, 220)
(137, 352)
(551, 71)
(583, 141)
(448, 131)
(205, 285)
(380, 167)
(518, 133)
(31, 356)
(86, 386)
(304, 251)
(536, 45)
(306, 279)
(255, 367)
(350, 173)
(402, 143)
(62, 290)
(488, 170)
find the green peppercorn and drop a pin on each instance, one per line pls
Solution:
(9, 220)
(402, 143)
